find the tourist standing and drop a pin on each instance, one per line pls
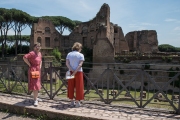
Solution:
(74, 62)
(34, 60)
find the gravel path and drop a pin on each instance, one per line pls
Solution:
(89, 110)
(10, 116)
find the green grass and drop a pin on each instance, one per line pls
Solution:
(13, 86)
(122, 100)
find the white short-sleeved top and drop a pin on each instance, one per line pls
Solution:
(74, 58)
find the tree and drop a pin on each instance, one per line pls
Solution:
(32, 20)
(77, 22)
(61, 23)
(18, 20)
(2, 27)
(88, 55)
(7, 24)
(21, 20)
(168, 48)
(11, 39)
(23, 24)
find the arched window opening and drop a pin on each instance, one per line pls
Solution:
(92, 40)
(92, 27)
(47, 30)
(84, 30)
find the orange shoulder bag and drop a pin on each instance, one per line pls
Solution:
(35, 74)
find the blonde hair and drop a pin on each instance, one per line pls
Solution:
(77, 46)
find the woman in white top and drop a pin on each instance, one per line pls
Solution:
(74, 61)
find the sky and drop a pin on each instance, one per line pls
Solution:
(131, 15)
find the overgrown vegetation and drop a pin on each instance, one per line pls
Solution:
(18, 20)
(168, 48)
(11, 50)
(88, 55)
(121, 71)
(147, 66)
(56, 53)
(167, 59)
(171, 73)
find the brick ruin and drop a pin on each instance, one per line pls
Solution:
(105, 38)
(144, 41)
(45, 33)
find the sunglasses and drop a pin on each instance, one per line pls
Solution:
(38, 46)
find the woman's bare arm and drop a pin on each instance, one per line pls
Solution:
(26, 61)
(78, 68)
(68, 65)
(40, 64)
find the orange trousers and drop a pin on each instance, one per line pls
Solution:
(76, 85)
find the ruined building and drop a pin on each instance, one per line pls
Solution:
(45, 33)
(105, 38)
(144, 41)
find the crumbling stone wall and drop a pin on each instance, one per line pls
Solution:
(144, 41)
(88, 33)
(45, 33)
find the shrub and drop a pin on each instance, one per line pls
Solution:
(172, 73)
(56, 53)
(147, 66)
(126, 60)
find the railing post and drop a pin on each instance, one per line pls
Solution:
(178, 112)
(107, 100)
(141, 92)
(51, 82)
(9, 68)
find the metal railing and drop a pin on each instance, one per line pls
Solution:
(136, 85)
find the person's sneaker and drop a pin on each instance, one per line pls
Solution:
(72, 104)
(78, 104)
(39, 100)
(35, 103)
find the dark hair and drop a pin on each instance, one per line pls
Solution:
(77, 46)
(36, 44)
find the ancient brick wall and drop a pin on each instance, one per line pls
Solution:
(103, 51)
(120, 43)
(45, 33)
(144, 41)
(88, 33)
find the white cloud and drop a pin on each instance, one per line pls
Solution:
(177, 28)
(133, 25)
(172, 20)
(141, 26)
(149, 24)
